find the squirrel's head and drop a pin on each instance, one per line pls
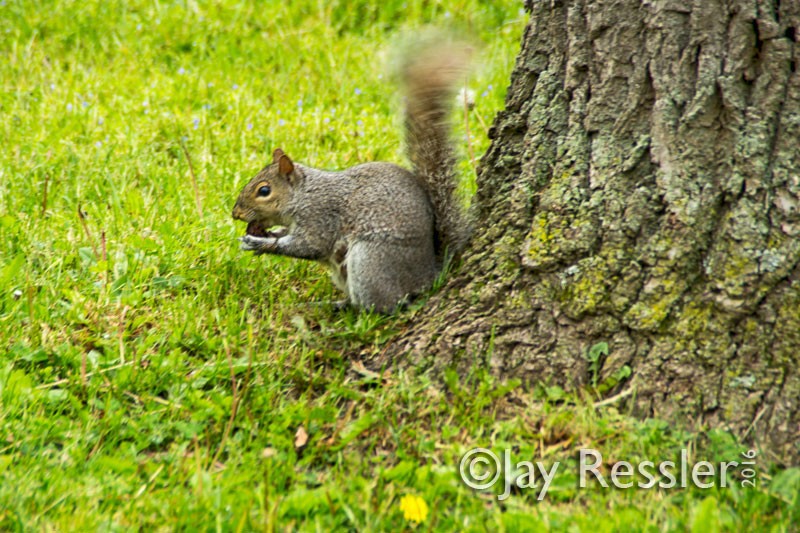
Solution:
(262, 202)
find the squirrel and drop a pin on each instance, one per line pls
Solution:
(384, 231)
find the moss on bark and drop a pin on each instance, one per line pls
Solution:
(642, 189)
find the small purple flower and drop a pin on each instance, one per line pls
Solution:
(358, 91)
(52, 86)
(206, 106)
(181, 70)
(69, 107)
(326, 120)
(210, 84)
(138, 27)
(196, 123)
(360, 123)
(98, 144)
(100, 121)
(249, 125)
(281, 122)
(85, 103)
(300, 103)
(235, 86)
(485, 93)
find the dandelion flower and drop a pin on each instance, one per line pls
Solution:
(414, 508)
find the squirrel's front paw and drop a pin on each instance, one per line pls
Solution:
(259, 245)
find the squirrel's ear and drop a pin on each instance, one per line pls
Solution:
(276, 155)
(285, 165)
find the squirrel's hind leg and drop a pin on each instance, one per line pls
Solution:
(381, 275)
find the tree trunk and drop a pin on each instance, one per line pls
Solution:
(642, 189)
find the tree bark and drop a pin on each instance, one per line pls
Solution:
(642, 189)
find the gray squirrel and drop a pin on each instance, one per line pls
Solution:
(384, 231)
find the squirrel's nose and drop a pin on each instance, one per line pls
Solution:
(237, 211)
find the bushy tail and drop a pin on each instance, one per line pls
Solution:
(430, 70)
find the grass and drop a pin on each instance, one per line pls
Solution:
(154, 377)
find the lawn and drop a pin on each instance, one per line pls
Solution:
(152, 376)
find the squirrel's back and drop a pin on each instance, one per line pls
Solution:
(380, 195)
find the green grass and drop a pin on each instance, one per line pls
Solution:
(152, 376)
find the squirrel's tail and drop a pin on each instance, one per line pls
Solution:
(430, 71)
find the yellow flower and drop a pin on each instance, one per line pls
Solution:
(414, 508)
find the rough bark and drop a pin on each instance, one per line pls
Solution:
(642, 189)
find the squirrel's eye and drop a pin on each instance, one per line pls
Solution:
(264, 190)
